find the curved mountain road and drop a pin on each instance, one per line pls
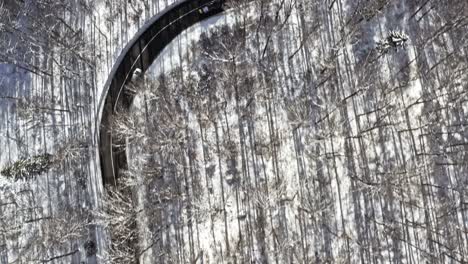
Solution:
(139, 53)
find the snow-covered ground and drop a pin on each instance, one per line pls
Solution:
(349, 159)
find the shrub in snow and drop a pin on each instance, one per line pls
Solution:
(25, 169)
(394, 40)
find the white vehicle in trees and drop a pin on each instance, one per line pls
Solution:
(136, 74)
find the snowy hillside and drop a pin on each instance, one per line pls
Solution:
(282, 131)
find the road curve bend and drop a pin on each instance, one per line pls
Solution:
(140, 53)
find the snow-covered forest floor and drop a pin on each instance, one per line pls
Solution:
(55, 59)
(279, 135)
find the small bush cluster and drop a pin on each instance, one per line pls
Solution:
(25, 169)
(393, 40)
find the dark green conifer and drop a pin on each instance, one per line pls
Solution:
(25, 169)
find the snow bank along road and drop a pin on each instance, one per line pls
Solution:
(139, 53)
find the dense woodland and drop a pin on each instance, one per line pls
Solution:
(288, 131)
